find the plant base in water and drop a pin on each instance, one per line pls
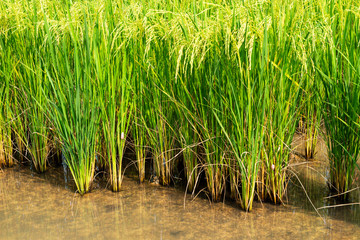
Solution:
(6, 158)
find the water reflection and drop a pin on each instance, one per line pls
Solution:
(313, 176)
(40, 207)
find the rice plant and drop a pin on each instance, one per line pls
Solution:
(189, 141)
(159, 115)
(338, 67)
(213, 145)
(310, 115)
(139, 126)
(35, 89)
(283, 92)
(244, 125)
(162, 144)
(6, 115)
(116, 112)
(74, 107)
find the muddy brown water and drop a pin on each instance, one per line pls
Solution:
(34, 206)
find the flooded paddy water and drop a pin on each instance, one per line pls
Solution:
(44, 206)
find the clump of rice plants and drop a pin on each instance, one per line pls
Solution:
(311, 114)
(38, 144)
(139, 135)
(113, 74)
(338, 67)
(139, 131)
(6, 115)
(162, 143)
(159, 111)
(209, 145)
(35, 89)
(116, 112)
(187, 134)
(311, 120)
(141, 104)
(213, 145)
(282, 93)
(20, 125)
(74, 106)
(243, 126)
(189, 141)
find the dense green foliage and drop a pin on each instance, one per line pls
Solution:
(218, 85)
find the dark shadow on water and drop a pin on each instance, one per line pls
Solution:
(313, 180)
